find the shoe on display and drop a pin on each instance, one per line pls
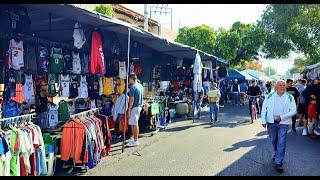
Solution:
(133, 144)
(316, 133)
(304, 132)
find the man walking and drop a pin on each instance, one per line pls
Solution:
(134, 108)
(277, 110)
(235, 89)
(296, 94)
(214, 97)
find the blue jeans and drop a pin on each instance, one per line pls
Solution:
(278, 136)
(235, 97)
(197, 105)
(214, 109)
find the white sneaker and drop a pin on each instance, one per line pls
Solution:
(316, 132)
(221, 106)
(130, 140)
(133, 144)
(304, 132)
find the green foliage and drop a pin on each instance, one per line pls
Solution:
(105, 9)
(291, 27)
(273, 71)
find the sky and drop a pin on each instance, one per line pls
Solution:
(216, 16)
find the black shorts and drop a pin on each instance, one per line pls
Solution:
(302, 109)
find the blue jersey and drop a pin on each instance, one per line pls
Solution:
(43, 59)
(67, 58)
(11, 110)
(85, 63)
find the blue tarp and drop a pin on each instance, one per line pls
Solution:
(234, 74)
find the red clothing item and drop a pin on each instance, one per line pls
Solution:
(96, 62)
(23, 169)
(312, 111)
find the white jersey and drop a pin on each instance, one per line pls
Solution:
(53, 115)
(65, 85)
(78, 36)
(76, 63)
(16, 54)
(83, 89)
(28, 89)
(100, 86)
(122, 70)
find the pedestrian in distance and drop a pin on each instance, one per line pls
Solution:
(277, 110)
(214, 98)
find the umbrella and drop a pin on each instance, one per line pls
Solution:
(197, 80)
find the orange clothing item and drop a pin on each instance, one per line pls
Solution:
(73, 142)
(121, 86)
(19, 98)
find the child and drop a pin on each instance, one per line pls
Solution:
(312, 116)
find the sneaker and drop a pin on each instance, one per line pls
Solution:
(304, 132)
(316, 133)
(215, 120)
(130, 140)
(222, 106)
(279, 168)
(294, 130)
(211, 122)
(133, 144)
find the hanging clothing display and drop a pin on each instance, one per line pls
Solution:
(208, 65)
(53, 115)
(16, 54)
(65, 85)
(100, 85)
(74, 92)
(28, 89)
(121, 86)
(108, 86)
(63, 111)
(11, 109)
(68, 61)
(122, 70)
(76, 63)
(71, 108)
(84, 63)
(83, 88)
(19, 97)
(119, 107)
(30, 58)
(56, 60)
(52, 90)
(11, 84)
(93, 87)
(42, 59)
(78, 36)
(96, 62)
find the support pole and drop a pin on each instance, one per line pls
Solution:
(126, 101)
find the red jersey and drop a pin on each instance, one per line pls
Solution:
(312, 111)
(96, 62)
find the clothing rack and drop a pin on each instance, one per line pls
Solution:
(83, 166)
(16, 118)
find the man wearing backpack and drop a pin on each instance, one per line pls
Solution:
(277, 110)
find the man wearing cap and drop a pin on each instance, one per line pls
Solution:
(214, 97)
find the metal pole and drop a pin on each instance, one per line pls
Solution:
(126, 101)
(269, 68)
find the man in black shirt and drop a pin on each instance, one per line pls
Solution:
(313, 89)
(295, 93)
(254, 90)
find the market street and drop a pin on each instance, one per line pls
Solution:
(230, 147)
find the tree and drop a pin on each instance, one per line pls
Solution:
(201, 37)
(292, 27)
(255, 65)
(300, 64)
(238, 44)
(105, 9)
(273, 71)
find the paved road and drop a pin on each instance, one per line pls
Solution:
(229, 147)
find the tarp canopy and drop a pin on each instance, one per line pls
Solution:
(234, 74)
(248, 76)
(56, 21)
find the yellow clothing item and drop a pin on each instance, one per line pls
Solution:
(120, 86)
(108, 86)
(214, 96)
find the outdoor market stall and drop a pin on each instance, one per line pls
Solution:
(76, 60)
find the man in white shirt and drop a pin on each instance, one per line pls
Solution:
(277, 110)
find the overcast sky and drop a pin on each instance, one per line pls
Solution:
(215, 15)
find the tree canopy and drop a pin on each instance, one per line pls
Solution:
(105, 9)
(292, 27)
(273, 71)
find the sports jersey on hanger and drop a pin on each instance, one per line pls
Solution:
(42, 59)
(19, 97)
(84, 63)
(56, 60)
(122, 70)
(16, 54)
(121, 86)
(40, 79)
(12, 80)
(11, 109)
(30, 60)
(53, 115)
(74, 87)
(83, 89)
(52, 90)
(71, 108)
(100, 86)
(76, 63)
(67, 59)
(96, 62)
(28, 89)
(25, 108)
(63, 111)
(65, 85)
(78, 36)
(93, 87)
(108, 86)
